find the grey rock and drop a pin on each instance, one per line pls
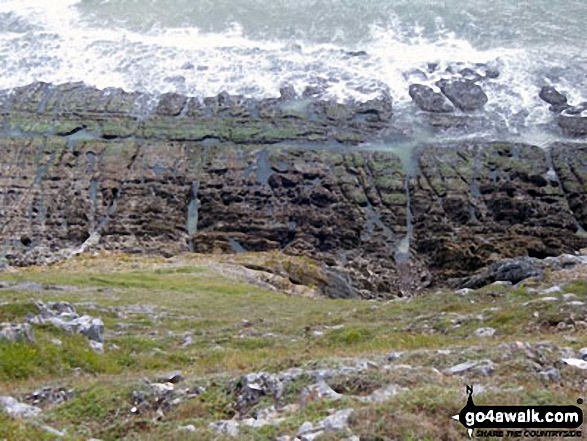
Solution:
(485, 332)
(253, 386)
(259, 422)
(269, 413)
(173, 377)
(565, 261)
(162, 388)
(318, 391)
(491, 73)
(394, 356)
(311, 436)
(549, 299)
(509, 270)
(575, 362)
(460, 368)
(426, 99)
(226, 427)
(189, 428)
(97, 346)
(171, 104)
(287, 93)
(63, 315)
(339, 286)
(337, 422)
(416, 75)
(17, 333)
(502, 283)
(16, 409)
(470, 74)
(91, 327)
(291, 374)
(53, 431)
(583, 353)
(551, 290)
(382, 395)
(28, 286)
(552, 96)
(311, 91)
(572, 122)
(463, 94)
(552, 374)
(484, 367)
(50, 396)
(307, 427)
(319, 375)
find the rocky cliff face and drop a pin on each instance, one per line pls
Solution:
(83, 168)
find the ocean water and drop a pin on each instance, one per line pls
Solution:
(350, 48)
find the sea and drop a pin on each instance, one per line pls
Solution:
(350, 49)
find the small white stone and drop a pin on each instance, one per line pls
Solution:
(188, 428)
(485, 332)
(551, 290)
(581, 364)
(501, 283)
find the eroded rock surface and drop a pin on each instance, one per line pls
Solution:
(85, 169)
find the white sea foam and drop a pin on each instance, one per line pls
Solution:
(53, 42)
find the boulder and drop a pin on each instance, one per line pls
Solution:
(573, 121)
(319, 391)
(17, 333)
(171, 104)
(49, 396)
(508, 270)
(287, 93)
(470, 75)
(226, 427)
(426, 99)
(251, 387)
(552, 96)
(63, 315)
(16, 409)
(465, 95)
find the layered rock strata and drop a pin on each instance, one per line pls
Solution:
(82, 168)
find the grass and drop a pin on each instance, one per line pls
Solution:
(186, 314)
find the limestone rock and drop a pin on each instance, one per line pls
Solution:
(426, 99)
(17, 333)
(16, 409)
